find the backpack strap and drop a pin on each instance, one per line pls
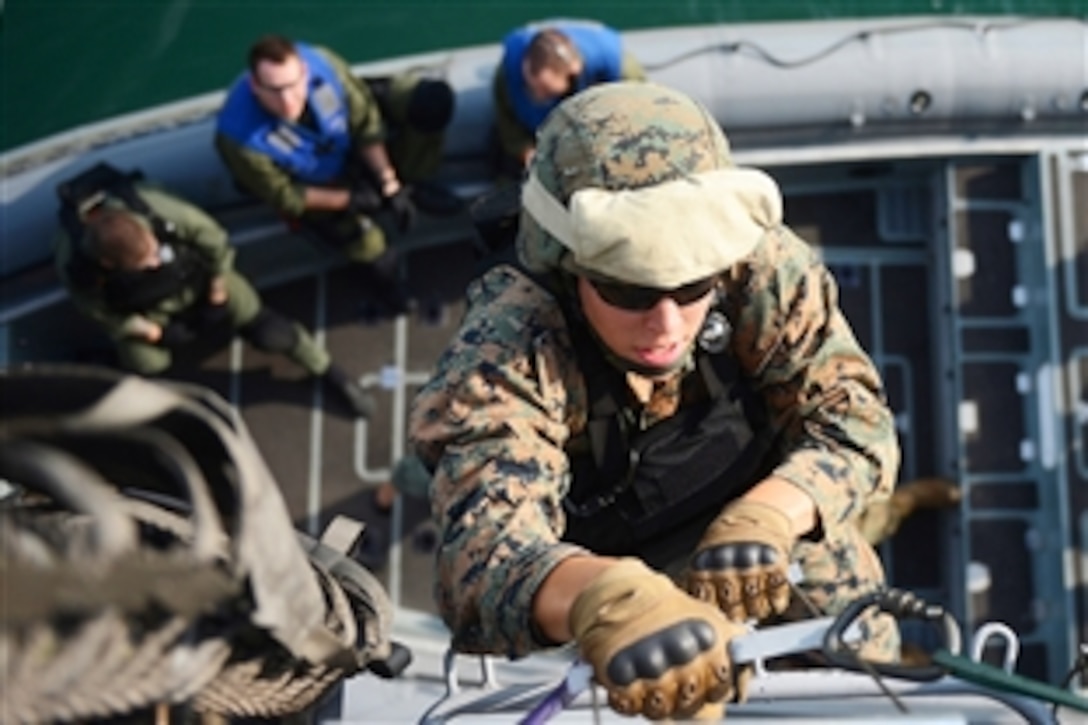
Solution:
(82, 194)
(85, 192)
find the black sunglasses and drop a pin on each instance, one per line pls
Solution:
(639, 299)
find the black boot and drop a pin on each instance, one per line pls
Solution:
(394, 298)
(361, 402)
(436, 199)
(382, 279)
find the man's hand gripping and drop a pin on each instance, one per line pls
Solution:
(741, 564)
(655, 649)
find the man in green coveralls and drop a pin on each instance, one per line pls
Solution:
(155, 272)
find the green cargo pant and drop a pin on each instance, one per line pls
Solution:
(357, 236)
(242, 307)
(415, 152)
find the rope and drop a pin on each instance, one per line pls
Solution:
(754, 50)
(997, 679)
(148, 560)
(271, 683)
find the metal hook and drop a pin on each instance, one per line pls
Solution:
(999, 630)
(449, 672)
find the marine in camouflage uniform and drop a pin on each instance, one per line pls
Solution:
(191, 290)
(508, 406)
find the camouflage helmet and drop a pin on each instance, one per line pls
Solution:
(630, 136)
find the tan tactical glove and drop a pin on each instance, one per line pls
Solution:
(657, 651)
(741, 563)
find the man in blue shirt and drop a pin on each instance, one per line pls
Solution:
(543, 63)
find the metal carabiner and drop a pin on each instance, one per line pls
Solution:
(902, 605)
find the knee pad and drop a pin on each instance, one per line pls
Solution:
(271, 332)
(387, 264)
(143, 358)
(431, 105)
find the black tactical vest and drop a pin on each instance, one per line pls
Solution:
(136, 291)
(651, 493)
(125, 291)
(646, 493)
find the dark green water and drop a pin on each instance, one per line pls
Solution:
(68, 62)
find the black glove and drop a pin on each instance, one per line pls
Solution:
(176, 333)
(495, 216)
(404, 209)
(365, 200)
(212, 315)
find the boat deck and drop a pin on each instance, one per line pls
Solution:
(956, 276)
